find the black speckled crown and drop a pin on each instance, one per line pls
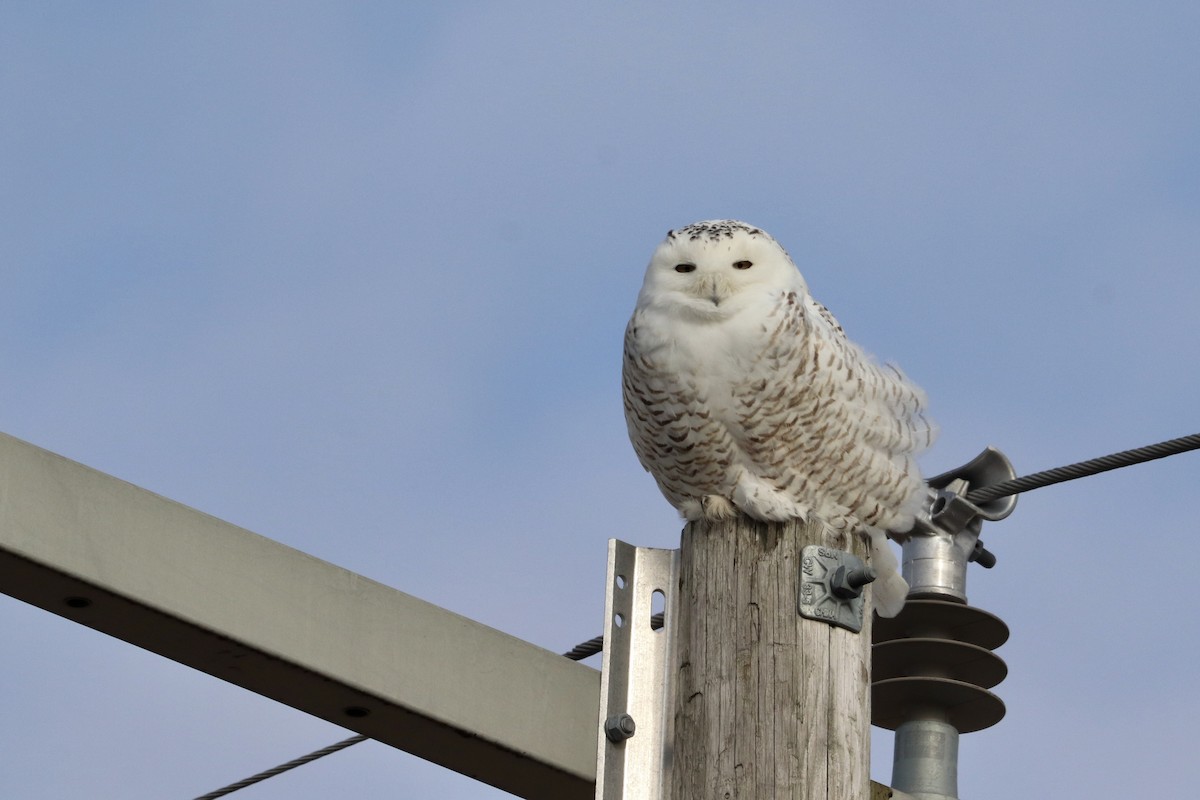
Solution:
(715, 230)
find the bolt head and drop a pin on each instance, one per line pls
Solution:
(619, 727)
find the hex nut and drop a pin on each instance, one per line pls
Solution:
(619, 727)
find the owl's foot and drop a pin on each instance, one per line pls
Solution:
(710, 506)
(717, 507)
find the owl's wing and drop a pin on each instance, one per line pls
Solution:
(827, 424)
(892, 407)
(837, 430)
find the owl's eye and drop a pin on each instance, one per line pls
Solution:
(742, 265)
(685, 267)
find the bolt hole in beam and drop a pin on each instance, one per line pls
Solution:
(75, 601)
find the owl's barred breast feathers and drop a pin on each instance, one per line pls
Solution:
(742, 393)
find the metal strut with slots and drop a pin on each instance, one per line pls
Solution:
(637, 685)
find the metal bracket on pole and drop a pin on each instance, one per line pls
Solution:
(831, 586)
(637, 698)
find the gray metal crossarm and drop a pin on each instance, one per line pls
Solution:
(248, 610)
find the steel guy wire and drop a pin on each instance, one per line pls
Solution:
(596, 644)
(578, 653)
(581, 651)
(271, 773)
(1037, 480)
(1083, 469)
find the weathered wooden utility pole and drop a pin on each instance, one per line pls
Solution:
(769, 704)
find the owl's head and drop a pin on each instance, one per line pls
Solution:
(715, 268)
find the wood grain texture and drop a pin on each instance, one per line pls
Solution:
(770, 705)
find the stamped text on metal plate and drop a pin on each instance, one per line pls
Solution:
(818, 567)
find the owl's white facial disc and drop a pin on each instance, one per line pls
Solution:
(713, 269)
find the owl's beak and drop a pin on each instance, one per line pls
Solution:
(711, 288)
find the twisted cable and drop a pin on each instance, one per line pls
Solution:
(271, 773)
(1083, 469)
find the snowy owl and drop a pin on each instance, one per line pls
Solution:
(742, 393)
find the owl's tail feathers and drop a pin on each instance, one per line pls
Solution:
(888, 589)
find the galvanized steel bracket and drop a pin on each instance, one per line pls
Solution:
(831, 584)
(637, 679)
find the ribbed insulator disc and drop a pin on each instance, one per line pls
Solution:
(968, 708)
(939, 619)
(937, 658)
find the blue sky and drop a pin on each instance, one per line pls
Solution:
(354, 276)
